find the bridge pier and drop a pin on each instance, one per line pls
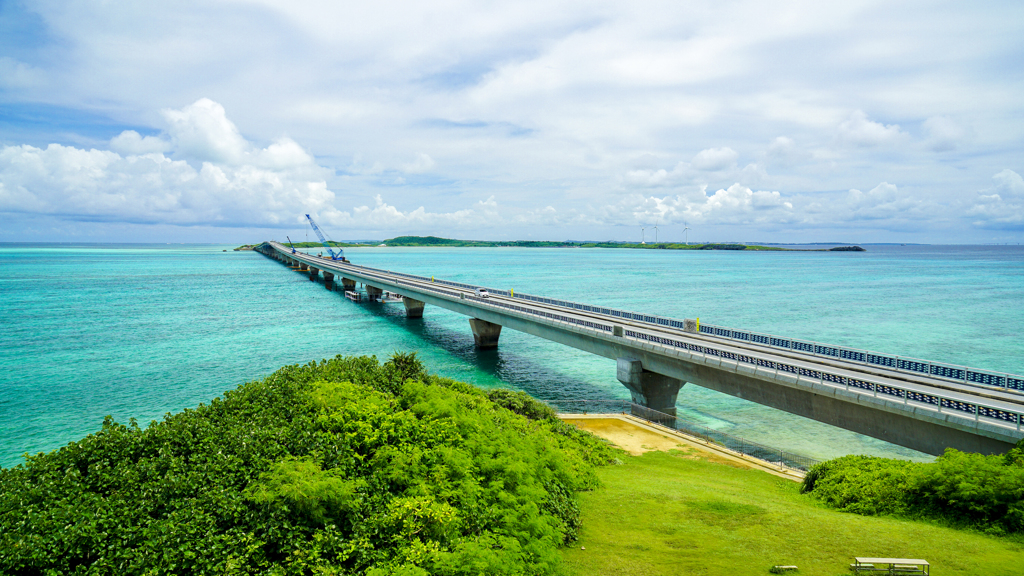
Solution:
(374, 293)
(649, 389)
(485, 334)
(328, 280)
(303, 266)
(313, 274)
(348, 284)
(413, 308)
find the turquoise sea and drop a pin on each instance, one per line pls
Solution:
(142, 330)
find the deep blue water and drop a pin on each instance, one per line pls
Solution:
(141, 330)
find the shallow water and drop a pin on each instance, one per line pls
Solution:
(141, 330)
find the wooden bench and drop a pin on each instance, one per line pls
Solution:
(891, 566)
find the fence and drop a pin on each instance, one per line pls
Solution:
(709, 435)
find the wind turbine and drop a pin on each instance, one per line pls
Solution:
(642, 238)
(655, 231)
(685, 228)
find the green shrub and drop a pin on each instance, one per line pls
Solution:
(521, 403)
(972, 490)
(339, 467)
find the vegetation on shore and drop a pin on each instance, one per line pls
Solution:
(681, 512)
(346, 466)
(429, 241)
(448, 242)
(960, 489)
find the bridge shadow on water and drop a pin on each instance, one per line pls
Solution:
(510, 369)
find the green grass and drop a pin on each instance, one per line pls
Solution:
(665, 513)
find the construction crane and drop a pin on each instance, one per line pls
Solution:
(341, 253)
(290, 244)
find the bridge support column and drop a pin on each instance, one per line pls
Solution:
(649, 389)
(413, 308)
(313, 274)
(303, 266)
(374, 293)
(328, 280)
(485, 334)
(348, 284)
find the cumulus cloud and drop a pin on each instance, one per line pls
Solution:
(884, 207)
(384, 216)
(234, 184)
(783, 151)
(202, 131)
(715, 159)
(1002, 206)
(737, 204)
(860, 131)
(131, 142)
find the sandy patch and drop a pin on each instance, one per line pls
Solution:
(628, 436)
(637, 437)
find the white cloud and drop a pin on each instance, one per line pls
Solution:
(386, 217)
(1002, 206)
(649, 178)
(15, 74)
(202, 131)
(132, 143)
(715, 159)
(860, 131)
(247, 187)
(285, 153)
(542, 104)
(420, 164)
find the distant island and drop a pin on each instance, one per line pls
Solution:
(434, 241)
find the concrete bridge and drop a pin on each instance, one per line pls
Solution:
(927, 406)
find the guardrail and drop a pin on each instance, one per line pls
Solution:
(966, 410)
(951, 372)
(757, 450)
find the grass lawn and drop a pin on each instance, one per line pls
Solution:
(677, 513)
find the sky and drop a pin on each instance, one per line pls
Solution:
(751, 121)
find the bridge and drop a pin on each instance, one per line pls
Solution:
(923, 405)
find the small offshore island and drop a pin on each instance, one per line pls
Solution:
(434, 241)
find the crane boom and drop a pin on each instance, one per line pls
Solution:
(341, 253)
(290, 244)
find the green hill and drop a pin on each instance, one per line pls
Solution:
(343, 467)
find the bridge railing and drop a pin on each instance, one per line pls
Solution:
(943, 404)
(946, 371)
(757, 450)
(942, 370)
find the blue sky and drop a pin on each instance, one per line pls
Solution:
(227, 121)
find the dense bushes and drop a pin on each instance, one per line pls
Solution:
(964, 489)
(340, 467)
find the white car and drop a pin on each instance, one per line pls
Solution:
(481, 293)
